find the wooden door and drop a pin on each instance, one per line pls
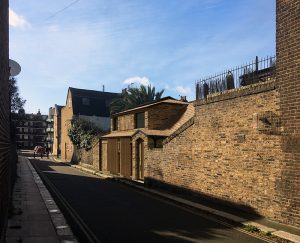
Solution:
(126, 158)
(112, 155)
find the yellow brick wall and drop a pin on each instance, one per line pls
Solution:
(163, 116)
(66, 144)
(228, 153)
(288, 82)
(56, 133)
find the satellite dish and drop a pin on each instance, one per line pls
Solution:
(15, 67)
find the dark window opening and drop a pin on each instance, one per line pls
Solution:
(115, 124)
(157, 142)
(140, 120)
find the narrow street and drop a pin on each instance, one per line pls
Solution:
(117, 213)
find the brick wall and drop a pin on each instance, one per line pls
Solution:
(103, 155)
(56, 132)
(164, 115)
(125, 122)
(232, 152)
(91, 158)
(160, 117)
(288, 81)
(66, 144)
(5, 151)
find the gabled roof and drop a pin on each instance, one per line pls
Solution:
(168, 100)
(186, 117)
(96, 102)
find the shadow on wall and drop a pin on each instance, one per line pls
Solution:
(204, 199)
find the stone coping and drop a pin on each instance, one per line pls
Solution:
(238, 92)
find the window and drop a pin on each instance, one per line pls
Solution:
(140, 120)
(115, 124)
(85, 101)
(157, 142)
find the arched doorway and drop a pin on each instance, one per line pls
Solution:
(140, 158)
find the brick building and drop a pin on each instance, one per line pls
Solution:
(90, 105)
(30, 130)
(56, 149)
(135, 131)
(6, 159)
(288, 84)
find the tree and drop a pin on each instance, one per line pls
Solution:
(133, 97)
(16, 102)
(82, 133)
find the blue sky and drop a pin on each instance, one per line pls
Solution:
(167, 43)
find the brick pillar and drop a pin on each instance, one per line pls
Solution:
(4, 119)
(288, 83)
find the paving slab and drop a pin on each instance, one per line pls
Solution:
(31, 220)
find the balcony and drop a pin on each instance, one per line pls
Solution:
(49, 139)
(49, 129)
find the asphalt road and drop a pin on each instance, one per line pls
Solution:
(118, 213)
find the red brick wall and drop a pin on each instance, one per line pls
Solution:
(288, 81)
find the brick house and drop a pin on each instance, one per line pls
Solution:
(90, 105)
(56, 149)
(136, 131)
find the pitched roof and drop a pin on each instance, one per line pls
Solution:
(91, 102)
(188, 114)
(168, 100)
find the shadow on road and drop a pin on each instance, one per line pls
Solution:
(118, 213)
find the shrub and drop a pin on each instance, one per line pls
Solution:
(82, 133)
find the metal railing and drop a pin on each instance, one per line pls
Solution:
(256, 71)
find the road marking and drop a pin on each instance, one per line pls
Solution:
(92, 238)
(168, 201)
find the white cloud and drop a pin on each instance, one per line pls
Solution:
(141, 80)
(16, 20)
(183, 90)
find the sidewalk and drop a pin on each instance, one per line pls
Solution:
(280, 230)
(35, 216)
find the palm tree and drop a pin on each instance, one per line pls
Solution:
(133, 97)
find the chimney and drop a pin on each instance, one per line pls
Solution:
(183, 99)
